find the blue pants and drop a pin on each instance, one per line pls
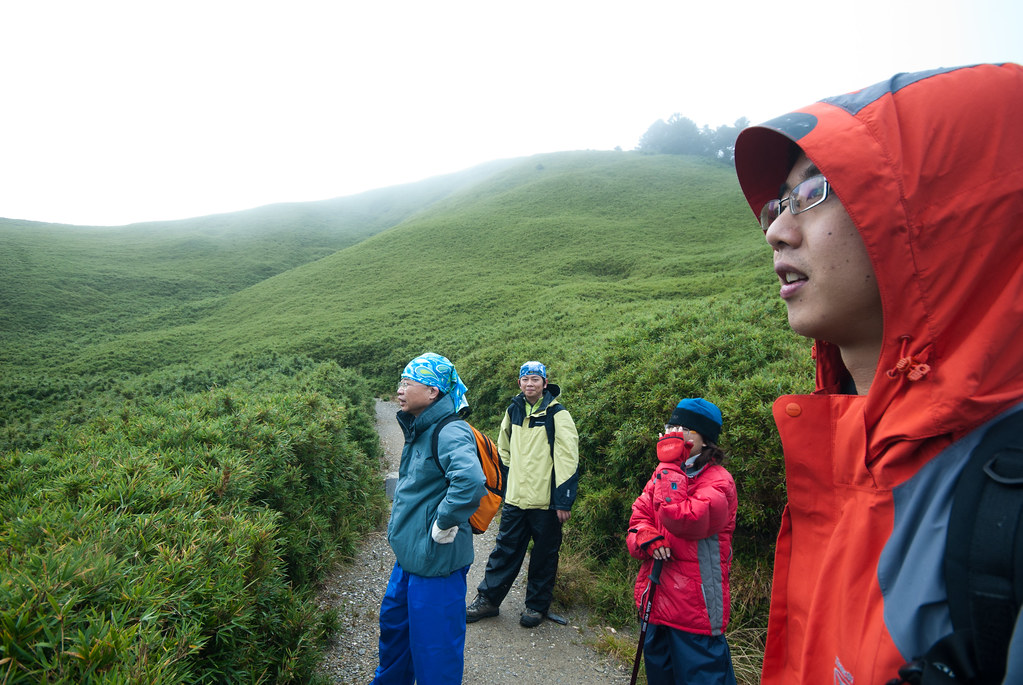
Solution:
(422, 629)
(675, 657)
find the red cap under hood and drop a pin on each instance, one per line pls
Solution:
(929, 167)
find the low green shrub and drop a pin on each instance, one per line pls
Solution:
(620, 398)
(179, 539)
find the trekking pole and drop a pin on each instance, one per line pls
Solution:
(644, 621)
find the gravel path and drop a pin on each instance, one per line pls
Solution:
(498, 650)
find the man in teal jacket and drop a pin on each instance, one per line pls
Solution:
(422, 615)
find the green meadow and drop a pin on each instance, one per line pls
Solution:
(187, 439)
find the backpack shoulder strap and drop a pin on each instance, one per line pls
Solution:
(984, 548)
(549, 425)
(436, 435)
(983, 564)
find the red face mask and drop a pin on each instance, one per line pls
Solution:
(673, 449)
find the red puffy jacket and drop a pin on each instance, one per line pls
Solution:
(696, 516)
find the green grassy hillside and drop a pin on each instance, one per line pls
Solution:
(555, 250)
(67, 285)
(638, 280)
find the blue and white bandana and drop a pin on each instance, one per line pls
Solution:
(437, 372)
(533, 369)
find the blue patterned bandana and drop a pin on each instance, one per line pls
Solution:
(533, 369)
(437, 372)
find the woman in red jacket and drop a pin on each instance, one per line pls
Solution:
(685, 517)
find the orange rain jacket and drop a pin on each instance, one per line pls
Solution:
(929, 166)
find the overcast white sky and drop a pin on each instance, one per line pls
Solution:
(115, 112)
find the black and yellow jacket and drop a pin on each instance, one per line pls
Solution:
(541, 451)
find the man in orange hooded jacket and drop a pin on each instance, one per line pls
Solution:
(895, 215)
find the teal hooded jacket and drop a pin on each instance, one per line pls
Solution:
(425, 493)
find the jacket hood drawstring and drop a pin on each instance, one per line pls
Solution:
(913, 367)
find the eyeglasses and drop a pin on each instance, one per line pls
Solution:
(405, 384)
(668, 428)
(804, 196)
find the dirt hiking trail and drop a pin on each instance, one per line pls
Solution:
(497, 650)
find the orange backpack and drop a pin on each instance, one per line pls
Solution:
(493, 469)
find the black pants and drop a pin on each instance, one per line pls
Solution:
(518, 527)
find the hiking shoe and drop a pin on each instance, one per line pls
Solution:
(530, 618)
(480, 608)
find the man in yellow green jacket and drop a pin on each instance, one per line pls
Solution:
(539, 445)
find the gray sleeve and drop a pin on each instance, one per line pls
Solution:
(1014, 660)
(456, 451)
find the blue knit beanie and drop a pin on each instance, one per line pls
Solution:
(700, 415)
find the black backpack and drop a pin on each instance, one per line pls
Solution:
(548, 421)
(983, 565)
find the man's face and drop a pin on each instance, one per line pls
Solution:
(827, 280)
(414, 397)
(532, 387)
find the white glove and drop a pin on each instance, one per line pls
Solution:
(444, 537)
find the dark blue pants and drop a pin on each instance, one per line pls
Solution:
(422, 629)
(675, 657)
(518, 527)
